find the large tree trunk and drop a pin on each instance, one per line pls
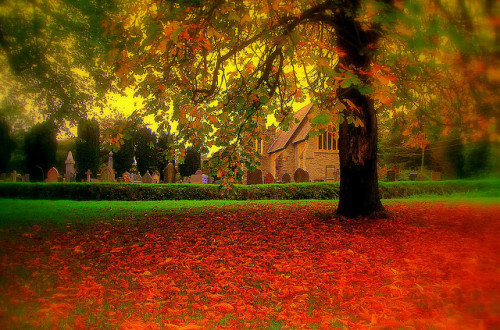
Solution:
(359, 194)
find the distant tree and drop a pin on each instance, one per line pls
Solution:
(135, 139)
(192, 162)
(40, 146)
(145, 150)
(7, 145)
(123, 157)
(165, 151)
(18, 159)
(87, 148)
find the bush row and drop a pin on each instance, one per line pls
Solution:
(290, 191)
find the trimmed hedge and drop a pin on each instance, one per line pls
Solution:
(289, 191)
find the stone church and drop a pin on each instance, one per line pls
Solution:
(285, 152)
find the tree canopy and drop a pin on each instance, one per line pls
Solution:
(49, 53)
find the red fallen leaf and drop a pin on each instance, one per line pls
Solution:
(59, 295)
(78, 249)
(293, 290)
(115, 250)
(190, 327)
(215, 297)
(223, 307)
(138, 325)
(390, 323)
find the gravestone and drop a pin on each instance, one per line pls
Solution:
(156, 177)
(69, 175)
(108, 175)
(254, 177)
(197, 177)
(169, 173)
(147, 178)
(138, 177)
(301, 176)
(413, 176)
(436, 176)
(52, 175)
(286, 178)
(391, 175)
(110, 159)
(268, 178)
(186, 179)
(126, 177)
(204, 179)
(26, 177)
(396, 172)
(88, 173)
(13, 176)
(382, 171)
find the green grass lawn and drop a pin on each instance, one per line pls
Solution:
(17, 212)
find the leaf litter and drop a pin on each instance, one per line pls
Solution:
(430, 265)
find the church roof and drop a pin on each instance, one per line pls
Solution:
(297, 131)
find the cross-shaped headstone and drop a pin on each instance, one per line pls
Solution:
(88, 175)
(14, 176)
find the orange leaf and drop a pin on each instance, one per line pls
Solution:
(223, 307)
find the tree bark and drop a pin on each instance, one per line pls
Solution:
(359, 193)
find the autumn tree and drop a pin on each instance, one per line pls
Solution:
(445, 55)
(48, 56)
(219, 69)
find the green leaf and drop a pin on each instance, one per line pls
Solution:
(321, 119)
(347, 83)
(366, 90)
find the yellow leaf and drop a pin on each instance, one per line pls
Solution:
(245, 19)
(419, 288)
(493, 74)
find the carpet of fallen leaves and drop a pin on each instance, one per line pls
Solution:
(267, 267)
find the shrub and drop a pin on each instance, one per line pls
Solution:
(289, 191)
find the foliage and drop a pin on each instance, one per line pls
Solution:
(290, 191)
(134, 140)
(49, 52)
(220, 69)
(40, 146)
(191, 163)
(87, 148)
(166, 147)
(64, 146)
(145, 150)
(7, 144)
(445, 57)
(256, 267)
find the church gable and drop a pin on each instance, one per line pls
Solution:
(294, 149)
(283, 139)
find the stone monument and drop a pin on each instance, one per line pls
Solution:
(70, 168)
